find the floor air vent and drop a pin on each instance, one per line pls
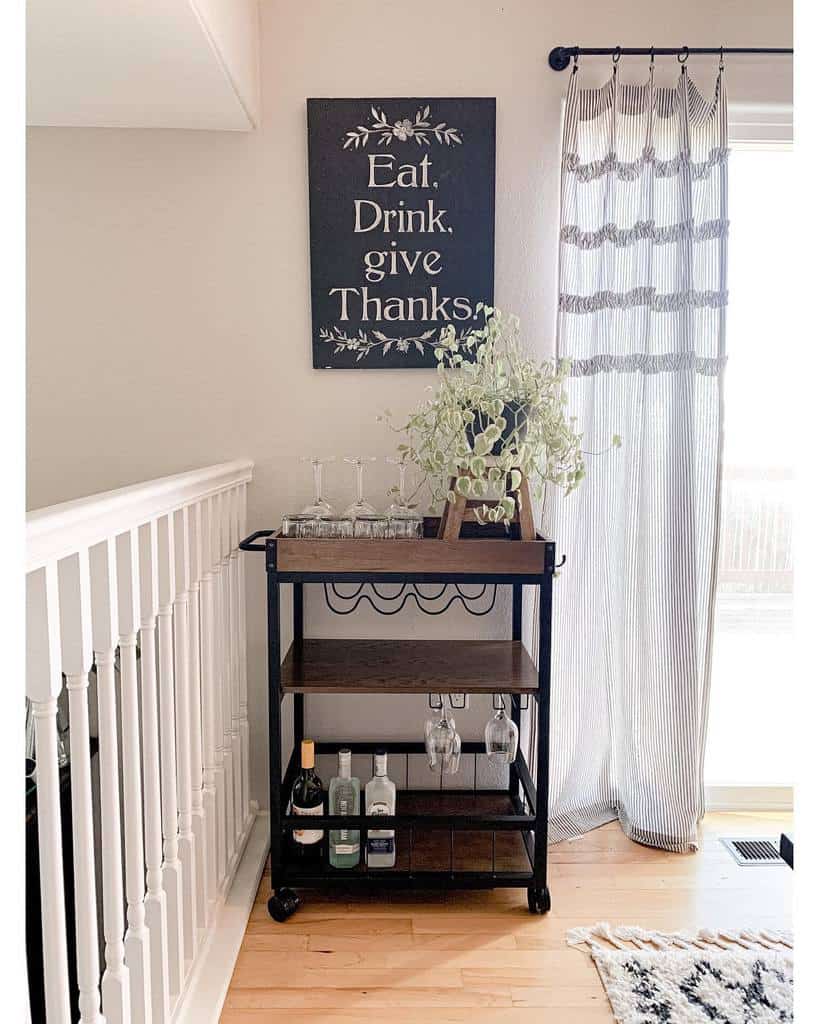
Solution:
(753, 851)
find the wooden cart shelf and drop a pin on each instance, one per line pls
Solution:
(422, 851)
(408, 666)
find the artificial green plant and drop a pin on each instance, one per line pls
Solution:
(496, 416)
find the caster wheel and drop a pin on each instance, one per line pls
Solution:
(282, 904)
(539, 901)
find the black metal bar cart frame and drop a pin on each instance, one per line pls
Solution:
(507, 829)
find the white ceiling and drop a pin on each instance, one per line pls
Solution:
(143, 63)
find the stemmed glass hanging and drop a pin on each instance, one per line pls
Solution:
(360, 507)
(442, 742)
(500, 735)
(320, 506)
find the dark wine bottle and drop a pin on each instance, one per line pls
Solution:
(307, 799)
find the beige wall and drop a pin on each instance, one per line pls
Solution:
(169, 317)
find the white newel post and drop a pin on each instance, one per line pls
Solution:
(156, 914)
(210, 799)
(137, 940)
(226, 665)
(43, 685)
(116, 995)
(171, 864)
(181, 643)
(235, 735)
(77, 660)
(244, 728)
(197, 806)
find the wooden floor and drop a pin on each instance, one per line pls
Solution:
(481, 957)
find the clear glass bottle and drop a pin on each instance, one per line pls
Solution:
(345, 798)
(379, 798)
(307, 799)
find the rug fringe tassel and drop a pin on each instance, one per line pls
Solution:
(630, 937)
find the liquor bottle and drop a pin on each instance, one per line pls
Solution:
(307, 799)
(379, 798)
(345, 798)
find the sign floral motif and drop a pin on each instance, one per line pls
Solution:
(363, 342)
(420, 129)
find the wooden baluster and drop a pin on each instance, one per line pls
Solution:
(43, 685)
(115, 987)
(171, 865)
(211, 801)
(225, 680)
(181, 643)
(156, 912)
(197, 806)
(137, 940)
(235, 736)
(77, 659)
(244, 729)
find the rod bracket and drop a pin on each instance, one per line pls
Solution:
(560, 57)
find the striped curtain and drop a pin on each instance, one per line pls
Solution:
(642, 322)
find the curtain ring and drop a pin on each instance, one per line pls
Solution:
(683, 55)
(616, 54)
(651, 61)
(722, 58)
(575, 59)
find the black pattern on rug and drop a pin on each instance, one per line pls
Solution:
(726, 977)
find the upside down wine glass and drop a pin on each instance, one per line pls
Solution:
(360, 507)
(442, 742)
(320, 505)
(501, 735)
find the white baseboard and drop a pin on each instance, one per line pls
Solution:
(207, 986)
(749, 798)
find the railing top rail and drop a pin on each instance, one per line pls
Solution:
(59, 530)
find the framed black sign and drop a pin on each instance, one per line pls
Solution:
(402, 226)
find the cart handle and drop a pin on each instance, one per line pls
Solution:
(248, 545)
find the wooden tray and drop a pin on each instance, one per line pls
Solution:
(478, 555)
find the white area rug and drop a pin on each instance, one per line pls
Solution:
(684, 978)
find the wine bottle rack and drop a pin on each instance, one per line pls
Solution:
(446, 838)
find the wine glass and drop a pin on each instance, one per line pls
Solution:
(452, 762)
(501, 735)
(438, 736)
(442, 742)
(399, 507)
(371, 527)
(320, 505)
(360, 507)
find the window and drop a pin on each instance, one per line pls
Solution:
(754, 671)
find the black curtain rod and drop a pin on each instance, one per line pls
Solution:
(561, 56)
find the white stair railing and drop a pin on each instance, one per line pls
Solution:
(146, 579)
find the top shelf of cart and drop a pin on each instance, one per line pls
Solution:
(482, 553)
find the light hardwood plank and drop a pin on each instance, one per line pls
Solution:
(480, 957)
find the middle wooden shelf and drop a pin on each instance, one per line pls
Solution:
(408, 666)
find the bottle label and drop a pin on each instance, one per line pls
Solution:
(347, 847)
(380, 844)
(380, 840)
(308, 836)
(347, 841)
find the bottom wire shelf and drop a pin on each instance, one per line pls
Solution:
(434, 857)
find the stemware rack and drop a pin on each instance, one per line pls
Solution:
(445, 838)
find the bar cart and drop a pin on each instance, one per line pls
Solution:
(448, 838)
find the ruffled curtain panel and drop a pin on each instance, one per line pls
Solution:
(641, 319)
